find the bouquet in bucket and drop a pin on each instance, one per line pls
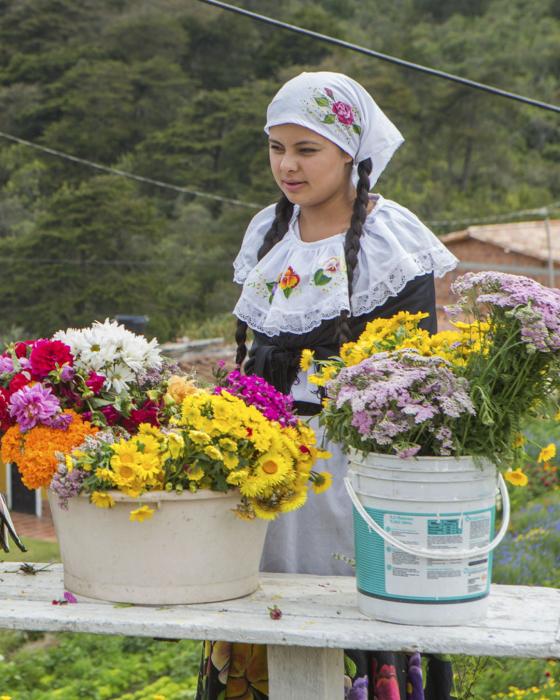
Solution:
(398, 390)
(99, 411)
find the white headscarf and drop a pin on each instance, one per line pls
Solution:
(340, 109)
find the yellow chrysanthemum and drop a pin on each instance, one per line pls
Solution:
(295, 501)
(228, 444)
(516, 477)
(102, 499)
(105, 474)
(230, 460)
(69, 464)
(175, 445)
(306, 359)
(152, 430)
(547, 453)
(213, 452)
(194, 472)
(237, 477)
(272, 468)
(141, 514)
(519, 440)
(148, 466)
(265, 511)
(199, 437)
(322, 482)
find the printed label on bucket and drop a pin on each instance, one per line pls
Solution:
(385, 571)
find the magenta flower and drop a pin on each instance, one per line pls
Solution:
(255, 391)
(343, 112)
(95, 382)
(34, 405)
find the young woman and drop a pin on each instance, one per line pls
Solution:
(315, 268)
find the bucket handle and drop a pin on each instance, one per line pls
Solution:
(441, 554)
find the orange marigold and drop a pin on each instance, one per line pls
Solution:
(33, 451)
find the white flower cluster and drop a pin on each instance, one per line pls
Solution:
(110, 349)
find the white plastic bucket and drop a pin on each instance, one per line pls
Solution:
(192, 550)
(423, 531)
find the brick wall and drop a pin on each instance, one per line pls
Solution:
(471, 250)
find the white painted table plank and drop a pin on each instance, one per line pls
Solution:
(316, 612)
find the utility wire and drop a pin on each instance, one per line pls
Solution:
(383, 56)
(539, 211)
(123, 173)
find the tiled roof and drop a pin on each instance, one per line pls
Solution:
(526, 237)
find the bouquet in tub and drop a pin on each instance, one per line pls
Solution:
(466, 391)
(98, 410)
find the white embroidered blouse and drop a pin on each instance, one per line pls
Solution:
(298, 284)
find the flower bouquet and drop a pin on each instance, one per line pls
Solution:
(118, 435)
(438, 415)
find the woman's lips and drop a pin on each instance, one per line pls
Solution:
(293, 186)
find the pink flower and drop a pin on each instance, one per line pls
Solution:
(343, 112)
(33, 405)
(67, 373)
(332, 265)
(329, 92)
(95, 382)
(6, 364)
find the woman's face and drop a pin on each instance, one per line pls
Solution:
(308, 168)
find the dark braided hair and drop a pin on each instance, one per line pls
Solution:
(276, 232)
(352, 243)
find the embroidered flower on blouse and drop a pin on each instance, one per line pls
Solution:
(289, 280)
(324, 274)
(334, 111)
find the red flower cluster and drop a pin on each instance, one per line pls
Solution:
(48, 355)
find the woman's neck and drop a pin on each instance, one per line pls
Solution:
(326, 219)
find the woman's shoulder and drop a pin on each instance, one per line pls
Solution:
(252, 240)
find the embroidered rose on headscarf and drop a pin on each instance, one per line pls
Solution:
(343, 112)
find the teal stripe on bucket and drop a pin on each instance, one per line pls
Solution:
(370, 557)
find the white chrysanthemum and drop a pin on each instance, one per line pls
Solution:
(112, 350)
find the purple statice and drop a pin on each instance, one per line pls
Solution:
(401, 402)
(535, 307)
(34, 405)
(67, 484)
(358, 691)
(255, 391)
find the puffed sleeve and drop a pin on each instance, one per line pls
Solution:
(252, 240)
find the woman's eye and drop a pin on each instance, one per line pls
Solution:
(308, 150)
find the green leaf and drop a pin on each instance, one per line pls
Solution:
(270, 285)
(357, 128)
(322, 101)
(320, 278)
(287, 291)
(350, 668)
(329, 119)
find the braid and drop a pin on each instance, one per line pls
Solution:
(352, 242)
(277, 231)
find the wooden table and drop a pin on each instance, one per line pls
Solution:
(319, 619)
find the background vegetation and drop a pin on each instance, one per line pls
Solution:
(178, 91)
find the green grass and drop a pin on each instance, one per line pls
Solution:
(37, 550)
(219, 326)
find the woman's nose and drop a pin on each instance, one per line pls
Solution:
(288, 163)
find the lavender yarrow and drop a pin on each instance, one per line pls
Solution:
(255, 391)
(67, 484)
(534, 306)
(392, 396)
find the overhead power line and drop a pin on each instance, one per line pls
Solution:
(384, 57)
(124, 173)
